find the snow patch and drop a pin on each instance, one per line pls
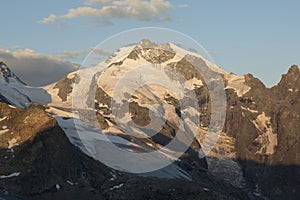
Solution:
(69, 182)
(193, 83)
(3, 118)
(62, 112)
(267, 138)
(4, 131)
(71, 75)
(293, 90)
(248, 109)
(88, 139)
(237, 83)
(120, 54)
(221, 161)
(117, 186)
(14, 96)
(12, 143)
(15, 174)
(25, 120)
(114, 176)
(57, 186)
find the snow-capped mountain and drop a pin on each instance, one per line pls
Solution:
(8, 75)
(8, 93)
(16, 92)
(258, 148)
(128, 60)
(142, 54)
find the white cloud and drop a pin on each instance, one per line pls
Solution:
(102, 52)
(81, 12)
(35, 69)
(156, 10)
(70, 54)
(66, 55)
(49, 19)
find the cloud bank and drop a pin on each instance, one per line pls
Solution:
(36, 69)
(154, 10)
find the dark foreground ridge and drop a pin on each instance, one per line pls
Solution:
(45, 165)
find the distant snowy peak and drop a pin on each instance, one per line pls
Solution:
(16, 92)
(8, 75)
(167, 55)
(4, 70)
(9, 83)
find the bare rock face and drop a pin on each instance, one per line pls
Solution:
(21, 125)
(152, 52)
(64, 87)
(265, 123)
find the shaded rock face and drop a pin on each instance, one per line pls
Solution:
(43, 164)
(265, 123)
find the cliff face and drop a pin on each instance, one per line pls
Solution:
(265, 123)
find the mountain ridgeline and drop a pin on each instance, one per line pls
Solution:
(43, 156)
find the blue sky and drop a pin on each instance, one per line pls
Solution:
(258, 37)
